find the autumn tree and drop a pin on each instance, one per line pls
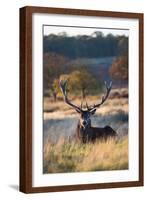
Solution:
(119, 68)
(55, 85)
(82, 82)
(53, 65)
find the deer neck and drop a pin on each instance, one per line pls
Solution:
(84, 129)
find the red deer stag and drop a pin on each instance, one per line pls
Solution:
(85, 132)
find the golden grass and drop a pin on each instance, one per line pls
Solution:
(61, 110)
(65, 156)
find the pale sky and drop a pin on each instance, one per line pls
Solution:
(73, 31)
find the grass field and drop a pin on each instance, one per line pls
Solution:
(65, 156)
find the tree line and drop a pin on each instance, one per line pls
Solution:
(84, 46)
(59, 50)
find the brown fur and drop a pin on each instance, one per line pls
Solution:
(90, 134)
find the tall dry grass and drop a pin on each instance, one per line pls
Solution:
(65, 156)
(60, 121)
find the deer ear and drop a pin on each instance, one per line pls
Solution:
(93, 112)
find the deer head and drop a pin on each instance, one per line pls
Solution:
(85, 114)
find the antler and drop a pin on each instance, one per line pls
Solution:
(108, 87)
(63, 85)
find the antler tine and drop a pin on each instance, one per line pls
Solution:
(104, 97)
(87, 106)
(81, 104)
(63, 85)
(108, 86)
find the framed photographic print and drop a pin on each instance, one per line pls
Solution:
(81, 99)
